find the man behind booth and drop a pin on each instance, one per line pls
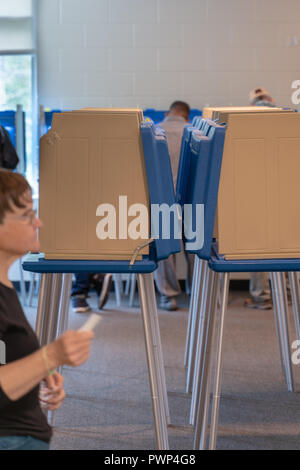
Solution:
(165, 276)
(259, 287)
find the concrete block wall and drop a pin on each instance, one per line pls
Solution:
(150, 52)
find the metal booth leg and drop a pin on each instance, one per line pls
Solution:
(127, 285)
(277, 326)
(193, 323)
(215, 344)
(31, 289)
(49, 298)
(157, 339)
(64, 307)
(191, 310)
(213, 336)
(118, 288)
(200, 339)
(62, 295)
(212, 288)
(295, 294)
(196, 323)
(43, 307)
(54, 307)
(132, 289)
(217, 381)
(22, 283)
(147, 299)
(65, 303)
(280, 299)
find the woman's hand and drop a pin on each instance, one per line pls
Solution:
(20, 377)
(53, 394)
(72, 348)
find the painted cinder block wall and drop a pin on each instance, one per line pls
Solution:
(150, 52)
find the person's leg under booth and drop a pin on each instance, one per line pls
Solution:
(190, 260)
(81, 287)
(81, 284)
(167, 283)
(80, 292)
(260, 292)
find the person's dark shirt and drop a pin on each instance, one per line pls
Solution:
(8, 155)
(23, 417)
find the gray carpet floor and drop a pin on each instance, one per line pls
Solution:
(108, 404)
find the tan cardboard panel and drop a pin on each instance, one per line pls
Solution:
(275, 255)
(88, 159)
(214, 112)
(259, 190)
(91, 256)
(222, 117)
(208, 112)
(136, 111)
(110, 110)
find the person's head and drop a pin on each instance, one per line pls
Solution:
(179, 108)
(18, 223)
(260, 95)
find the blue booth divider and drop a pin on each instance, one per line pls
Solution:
(160, 182)
(49, 117)
(8, 121)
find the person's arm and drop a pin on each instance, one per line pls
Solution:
(20, 377)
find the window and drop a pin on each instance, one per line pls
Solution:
(18, 71)
(16, 89)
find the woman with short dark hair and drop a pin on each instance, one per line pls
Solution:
(23, 425)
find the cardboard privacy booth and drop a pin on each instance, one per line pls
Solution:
(259, 192)
(92, 171)
(221, 113)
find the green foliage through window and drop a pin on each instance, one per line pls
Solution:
(16, 89)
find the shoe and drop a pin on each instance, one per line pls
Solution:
(168, 303)
(96, 282)
(105, 290)
(79, 304)
(264, 305)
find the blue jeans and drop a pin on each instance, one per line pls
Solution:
(81, 284)
(22, 443)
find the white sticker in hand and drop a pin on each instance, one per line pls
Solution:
(91, 323)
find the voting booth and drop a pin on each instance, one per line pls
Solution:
(243, 168)
(259, 191)
(88, 161)
(260, 162)
(105, 165)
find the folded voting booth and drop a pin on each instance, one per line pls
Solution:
(97, 164)
(259, 190)
(88, 160)
(244, 168)
(258, 185)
